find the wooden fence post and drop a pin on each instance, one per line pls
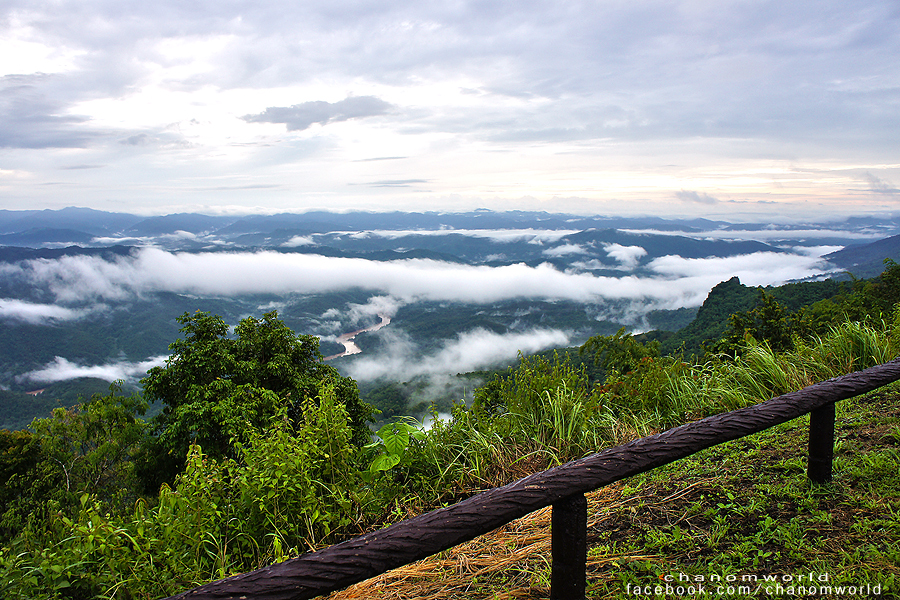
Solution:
(568, 546)
(821, 443)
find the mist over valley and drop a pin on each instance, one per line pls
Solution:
(90, 294)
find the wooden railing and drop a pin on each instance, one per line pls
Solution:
(361, 558)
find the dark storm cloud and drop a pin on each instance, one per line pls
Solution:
(302, 116)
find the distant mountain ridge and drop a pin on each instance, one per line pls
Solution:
(103, 223)
(866, 260)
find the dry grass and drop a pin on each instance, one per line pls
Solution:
(512, 561)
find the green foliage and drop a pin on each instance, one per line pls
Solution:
(544, 403)
(29, 481)
(724, 300)
(272, 464)
(288, 491)
(392, 444)
(89, 448)
(767, 322)
(647, 391)
(809, 307)
(875, 298)
(219, 390)
(93, 444)
(620, 353)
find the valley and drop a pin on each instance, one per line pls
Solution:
(86, 295)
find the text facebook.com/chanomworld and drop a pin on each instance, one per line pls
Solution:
(802, 584)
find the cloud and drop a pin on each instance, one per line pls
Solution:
(376, 306)
(138, 139)
(299, 240)
(880, 186)
(470, 350)
(537, 236)
(628, 256)
(302, 116)
(765, 235)
(36, 314)
(391, 183)
(588, 265)
(564, 250)
(62, 370)
(729, 98)
(760, 268)
(698, 197)
(31, 118)
(678, 282)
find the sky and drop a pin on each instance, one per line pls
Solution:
(742, 109)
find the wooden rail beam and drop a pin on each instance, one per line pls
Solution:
(355, 560)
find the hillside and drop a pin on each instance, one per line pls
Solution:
(730, 297)
(866, 260)
(744, 508)
(275, 444)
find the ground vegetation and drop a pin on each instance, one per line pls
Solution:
(262, 452)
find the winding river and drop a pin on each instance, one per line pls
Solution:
(350, 346)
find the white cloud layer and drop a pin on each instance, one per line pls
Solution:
(536, 236)
(62, 370)
(37, 314)
(564, 250)
(768, 234)
(469, 351)
(678, 282)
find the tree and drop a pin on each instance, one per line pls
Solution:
(619, 353)
(93, 444)
(767, 322)
(874, 299)
(217, 390)
(90, 448)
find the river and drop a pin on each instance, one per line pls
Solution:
(350, 346)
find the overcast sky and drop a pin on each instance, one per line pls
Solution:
(714, 108)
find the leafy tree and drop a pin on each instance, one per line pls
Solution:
(218, 390)
(24, 480)
(89, 448)
(93, 444)
(767, 322)
(619, 353)
(875, 298)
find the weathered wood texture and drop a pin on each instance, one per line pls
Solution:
(568, 547)
(821, 443)
(355, 560)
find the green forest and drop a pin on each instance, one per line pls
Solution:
(261, 451)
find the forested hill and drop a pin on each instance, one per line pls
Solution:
(731, 297)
